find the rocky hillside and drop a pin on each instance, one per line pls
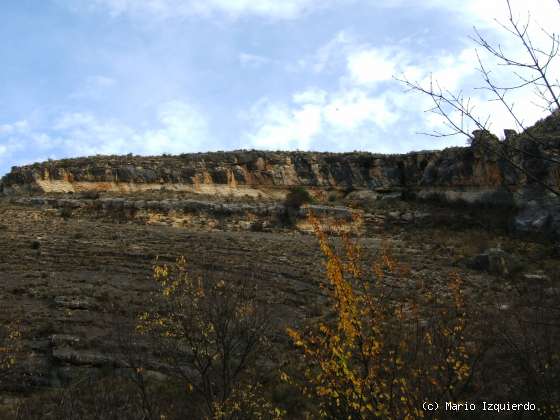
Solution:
(76, 272)
(79, 238)
(469, 173)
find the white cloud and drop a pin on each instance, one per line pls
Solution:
(328, 57)
(359, 112)
(337, 47)
(311, 96)
(281, 127)
(179, 128)
(253, 60)
(476, 12)
(484, 13)
(355, 107)
(315, 119)
(17, 127)
(352, 109)
(101, 81)
(85, 134)
(94, 87)
(341, 119)
(182, 129)
(285, 9)
(370, 66)
(488, 17)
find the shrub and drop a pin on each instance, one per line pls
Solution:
(381, 358)
(297, 197)
(210, 334)
(333, 196)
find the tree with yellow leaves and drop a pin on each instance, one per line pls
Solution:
(210, 334)
(381, 357)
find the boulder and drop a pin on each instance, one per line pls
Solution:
(532, 219)
(495, 261)
(539, 219)
(83, 357)
(407, 217)
(58, 340)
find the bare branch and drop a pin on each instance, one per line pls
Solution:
(456, 102)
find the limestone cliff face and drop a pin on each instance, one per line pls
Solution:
(468, 171)
(232, 170)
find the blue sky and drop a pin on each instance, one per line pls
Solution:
(85, 77)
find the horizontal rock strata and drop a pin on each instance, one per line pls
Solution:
(468, 173)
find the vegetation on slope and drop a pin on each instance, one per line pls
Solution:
(384, 343)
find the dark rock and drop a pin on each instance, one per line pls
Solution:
(58, 340)
(495, 260)
(479, 262)
(407, 217)
(509, 133)
(541, 219)
(82, 357)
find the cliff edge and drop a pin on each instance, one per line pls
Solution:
(516, 166)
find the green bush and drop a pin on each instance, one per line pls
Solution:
(297, 197)
(332, 197)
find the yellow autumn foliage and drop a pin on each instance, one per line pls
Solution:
(210, 334)
(382, 356)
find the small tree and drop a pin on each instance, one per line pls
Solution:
(382, 357)
(297, 197)
(210, 334)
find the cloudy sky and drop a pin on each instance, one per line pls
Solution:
(85, 77)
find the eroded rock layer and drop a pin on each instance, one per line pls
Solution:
(251, 172)
(520, 167)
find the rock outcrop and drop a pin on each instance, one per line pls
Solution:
(198, 215)
(512, 173)
(469, 173)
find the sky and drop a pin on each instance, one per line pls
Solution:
(86, 77)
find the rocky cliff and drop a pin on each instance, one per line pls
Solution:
(518, 167)
(76, 265)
